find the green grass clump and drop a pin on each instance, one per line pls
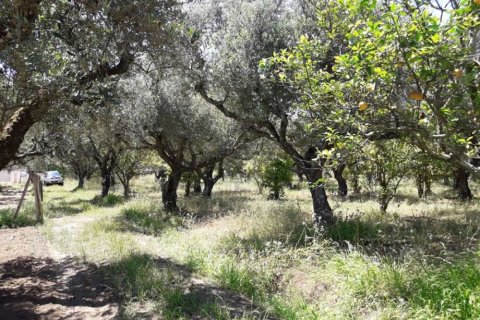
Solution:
(234, 244)
(238, 278)
(354, 230)
(182, 305)
(137, 277)
(449, 291)
(146, 217)
(25, 218)
(110, 200)
(288, 308)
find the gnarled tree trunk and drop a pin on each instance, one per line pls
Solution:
(169, 190)
(209, 180)
(424, 185)
(322, 212)
(207, 187)
(107, 175)
(461, 184)
(126, 189)
(197, 186)
(81, 182)
(342, 182)
(81, 176)
(14, 132)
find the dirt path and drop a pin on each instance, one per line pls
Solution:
(38, 283)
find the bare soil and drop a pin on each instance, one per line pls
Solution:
(38, 283)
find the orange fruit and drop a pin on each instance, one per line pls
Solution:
(415, 95)
(458, 73)
(363, 106)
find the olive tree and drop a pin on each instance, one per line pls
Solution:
(50, 51)
(71, 147)
(234, 38)
(173, 120)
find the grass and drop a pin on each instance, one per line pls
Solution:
(147, 217)
(26, 217)
(420, 261)
(110, 200)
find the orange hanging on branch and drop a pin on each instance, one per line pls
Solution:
(363, 106)
(458, 73)
(415, 95)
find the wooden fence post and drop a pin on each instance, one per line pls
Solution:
(38, 197)
(23, 196)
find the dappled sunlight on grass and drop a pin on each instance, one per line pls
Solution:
(418, 261)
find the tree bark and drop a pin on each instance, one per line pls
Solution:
(106, 181)
(313, 171)
(322, 212)
(14, 132)
(81, 180)
(424, 185)
(420, 190)
(446, 181)
(276, 195)
(125, 179)
(126, 189)
(208, 187)
(209, 180)
(169, 190)
(356, 184)
(188, 185)
(342, 182)
(461, 184)
(197, 186)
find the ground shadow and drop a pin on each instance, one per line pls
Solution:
(108, 201)
(43, 288)
(185, 296)
(66, 208)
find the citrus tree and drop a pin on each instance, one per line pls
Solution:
(406, 69)
(276, 175)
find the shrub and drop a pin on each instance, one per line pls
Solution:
(276, 175)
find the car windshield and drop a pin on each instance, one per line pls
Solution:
(53, 174)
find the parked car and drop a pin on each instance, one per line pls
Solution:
(53, 177)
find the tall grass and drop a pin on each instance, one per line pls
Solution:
(148, 217)
(419, 262)
(26, 217)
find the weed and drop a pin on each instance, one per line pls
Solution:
(25, 218)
